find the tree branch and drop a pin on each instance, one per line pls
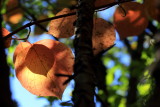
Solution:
(61, 16)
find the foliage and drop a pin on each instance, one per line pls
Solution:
(128, 79)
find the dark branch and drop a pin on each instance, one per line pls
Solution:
(61, 16)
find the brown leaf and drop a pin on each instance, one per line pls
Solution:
(103, 35)
(135, 21)
(62, 27)
(152, 10)
(99, 3)
(36, 65)
(7, 42)
(14, 12)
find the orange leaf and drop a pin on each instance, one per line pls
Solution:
(62, 27)
(7, 42)
(103, 35)
(36, 65)
(135, 21)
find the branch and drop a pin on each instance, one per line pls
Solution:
(39, 21)
(61, 16)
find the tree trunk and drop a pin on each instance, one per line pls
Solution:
(83, 95)
(5, 96)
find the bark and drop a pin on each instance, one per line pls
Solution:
(5, 93)
(83, 95)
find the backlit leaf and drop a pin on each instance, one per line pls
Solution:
(36, 65)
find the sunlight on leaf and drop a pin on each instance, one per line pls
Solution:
(36, 65)
(122, 103)
(109, 78)
(144, 89)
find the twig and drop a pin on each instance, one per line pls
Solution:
(122, 10)
(61, 16)
(39, 21)
(25, 39)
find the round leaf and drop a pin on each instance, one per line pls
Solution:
(135, 21)
(37, 64)
(103, 35)
(62, 27)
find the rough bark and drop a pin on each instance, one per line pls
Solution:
(83, 95)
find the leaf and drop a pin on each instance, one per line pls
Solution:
(103, 35)
(7, 42)
(152, 10)
(62, 27)
(14, 12)
(38, 30)
(99, 3)
(135, 21)
(36, 65)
